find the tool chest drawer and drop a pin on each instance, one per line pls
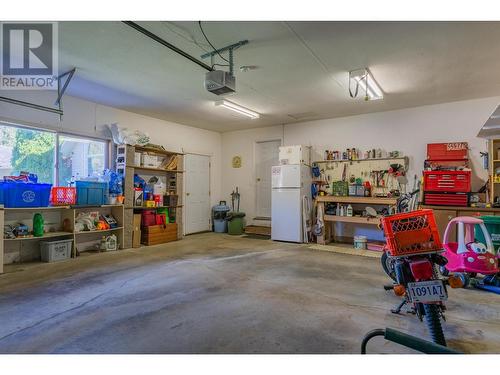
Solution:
(446, 199)
(450, 181)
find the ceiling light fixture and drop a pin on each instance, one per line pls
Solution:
(237, 108)
(363, 80)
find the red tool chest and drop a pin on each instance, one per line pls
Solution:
(447, 151)
(449, 181)
(449, 187)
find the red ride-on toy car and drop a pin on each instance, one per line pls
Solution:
(466, 256)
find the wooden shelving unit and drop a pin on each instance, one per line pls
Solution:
(22, 249)
(494, 154)
(404, 158)
(357, 200)
(127, 164)
(159, 170)
(352, 219)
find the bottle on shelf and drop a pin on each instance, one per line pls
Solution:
(349, 210)
(103, 245)
(38, 223)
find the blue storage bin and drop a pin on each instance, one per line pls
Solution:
(91, 193)
(20, 194)
(1, 192)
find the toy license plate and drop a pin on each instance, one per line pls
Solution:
(427, 291)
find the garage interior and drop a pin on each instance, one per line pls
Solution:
(251, 187)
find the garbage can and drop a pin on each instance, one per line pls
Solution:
(219, 214)
(492, 224)
(235, 223)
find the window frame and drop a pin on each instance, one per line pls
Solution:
(107, 150)
(57, 134)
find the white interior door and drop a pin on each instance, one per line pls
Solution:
(197, 190)
(266, 155)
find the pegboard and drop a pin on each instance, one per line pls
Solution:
(332, 170)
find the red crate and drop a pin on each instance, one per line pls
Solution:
(62, 196)
(446, 199)
(447, 151)
(450, 181)
(411, 233)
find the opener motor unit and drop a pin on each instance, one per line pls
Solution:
(220, 82)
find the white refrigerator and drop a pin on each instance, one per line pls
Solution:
(290, 184)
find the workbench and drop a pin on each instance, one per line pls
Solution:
(328, 232)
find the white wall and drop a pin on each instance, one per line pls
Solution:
(88, 118)
(242, 143)
(407, 130)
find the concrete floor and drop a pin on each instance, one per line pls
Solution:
(214, 293)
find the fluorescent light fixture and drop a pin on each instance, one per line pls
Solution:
(491, 126)
(365, 84)
(237, 108)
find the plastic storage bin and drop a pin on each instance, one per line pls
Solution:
(91, 193)
(62, 196)
(1, 192)
(55, 251)
(340, 188)
(20, 194)
(492, 224)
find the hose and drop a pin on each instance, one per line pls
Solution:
(433, 320)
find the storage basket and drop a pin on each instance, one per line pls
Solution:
(340, 188)
(55, 251)
(62, 196)
(411, 233)
(20, 194)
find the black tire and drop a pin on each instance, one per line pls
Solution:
(388, 265)
(433, 320)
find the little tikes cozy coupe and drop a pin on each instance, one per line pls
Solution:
(466, 255)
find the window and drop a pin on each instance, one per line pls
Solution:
(23, 149)
(80, 157)
(34, 151)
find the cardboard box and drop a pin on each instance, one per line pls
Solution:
(137, 158)
(150, 161)
(294, 155)
(136, 237)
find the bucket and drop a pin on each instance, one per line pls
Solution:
(360, 242)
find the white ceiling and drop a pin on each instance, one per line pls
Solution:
(303, 67)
